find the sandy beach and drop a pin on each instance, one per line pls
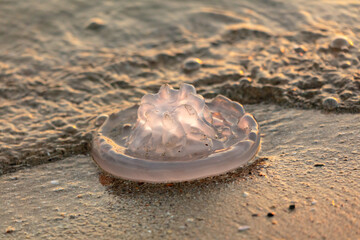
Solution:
(294, 65)
(309, 160)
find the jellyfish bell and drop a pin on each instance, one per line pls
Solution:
(174, 136)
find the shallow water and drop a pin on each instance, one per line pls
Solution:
(60, 67)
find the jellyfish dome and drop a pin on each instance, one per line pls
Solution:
(174, 136)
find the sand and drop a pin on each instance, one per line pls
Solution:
(63, 63)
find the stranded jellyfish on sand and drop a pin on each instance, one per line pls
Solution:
(175, 135)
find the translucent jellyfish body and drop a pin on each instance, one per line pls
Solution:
(175, 135)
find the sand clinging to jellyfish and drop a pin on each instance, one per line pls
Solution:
(175, 135)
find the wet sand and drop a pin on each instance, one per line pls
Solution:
(308, 159)
(63, 63)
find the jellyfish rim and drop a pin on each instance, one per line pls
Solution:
(148, 170)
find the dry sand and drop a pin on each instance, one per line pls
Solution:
(62, 63)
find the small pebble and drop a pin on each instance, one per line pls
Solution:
(255, 215)
(190, 220)
(341, 43)
(20, 220)
(245, 194)
(313, 202)
(192, 64)
(62, 214)
(71, 129)
(96, 24)
(54, 182)
(59, 189)
(271, 214)
(319, 165)
(345, 64)
(243, 228)
(292, 206)
(9, 229)
(330, 103)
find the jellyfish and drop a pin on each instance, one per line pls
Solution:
(174, 136)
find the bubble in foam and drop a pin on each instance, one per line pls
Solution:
(176, 135)
(341, 43)
(191, 64)
(330, 103)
